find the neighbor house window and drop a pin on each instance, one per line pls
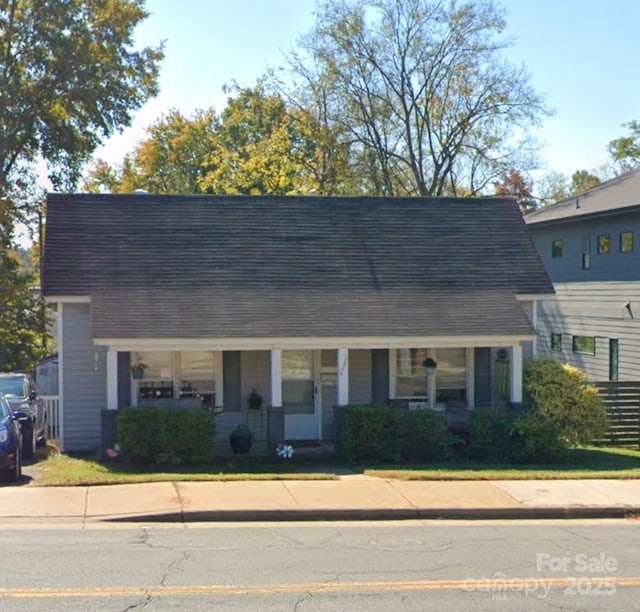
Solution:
(556, 342)
(604, 244)
(584, 344)
(556, 248)
(626, 242)
(586, 254)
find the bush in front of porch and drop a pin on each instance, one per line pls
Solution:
(163, 436)
(384, 433)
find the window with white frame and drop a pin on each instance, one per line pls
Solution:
(169, 374)
(411, 378)
(197, 376)
(157, 380)
(451, 374)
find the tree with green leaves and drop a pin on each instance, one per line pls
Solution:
(626, 150)
(582, 180)
(169, 160)
(423, 92)
(69, 78)
(260, 147)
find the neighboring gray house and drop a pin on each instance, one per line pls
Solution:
(589, 244)
(311, 302)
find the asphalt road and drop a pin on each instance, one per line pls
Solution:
(417, 565)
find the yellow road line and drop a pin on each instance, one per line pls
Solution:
(475, 584)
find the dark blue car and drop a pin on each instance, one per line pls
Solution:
(10, 443)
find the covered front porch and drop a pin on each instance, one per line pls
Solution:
(300, 383)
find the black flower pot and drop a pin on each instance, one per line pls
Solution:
(240, 445)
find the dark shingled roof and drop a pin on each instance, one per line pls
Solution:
(234, 266)
(621, 193)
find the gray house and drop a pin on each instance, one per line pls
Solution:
(309, 302)
(589, 246)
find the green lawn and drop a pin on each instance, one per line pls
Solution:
(63, 470)
(585, 462)
(588, 462)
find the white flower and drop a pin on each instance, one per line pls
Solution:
(285, 451)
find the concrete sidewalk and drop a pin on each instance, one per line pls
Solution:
(354, 497)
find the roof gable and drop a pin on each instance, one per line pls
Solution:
(170, 266)
(97, 242)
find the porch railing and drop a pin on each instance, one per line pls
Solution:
(52, 410)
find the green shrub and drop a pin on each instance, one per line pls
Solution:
(535, 439)
(562, 394)
(163, 436)
(490, 434)
(370, 433)
(423, 436)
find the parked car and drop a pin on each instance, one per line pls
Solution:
(10, 442)
(21, 393)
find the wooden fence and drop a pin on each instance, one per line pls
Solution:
(622, 402)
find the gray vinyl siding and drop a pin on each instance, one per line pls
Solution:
(254, 374)
(615, 266)
(595, 310)
(527, 346)
(359, 376)
(84, 380)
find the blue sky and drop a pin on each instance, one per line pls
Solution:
(583, 55)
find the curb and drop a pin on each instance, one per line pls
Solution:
(387, 514)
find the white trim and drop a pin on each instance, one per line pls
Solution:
(516, 374)
(68, 299)
(343, 376)
(219, 378)
(112, 380)
(523, 297)
(308, 343)
(276, 377)
(60, 323)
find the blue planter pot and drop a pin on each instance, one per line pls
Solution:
(240, 445)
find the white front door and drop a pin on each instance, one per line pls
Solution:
(300, 395)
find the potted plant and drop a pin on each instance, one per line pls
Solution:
(255, 400)
(240, 440)
(137, 370)
(430, 366)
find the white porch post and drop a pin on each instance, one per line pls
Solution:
(276, 377)
(112, 380)
(516, 374)
(343, 377)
